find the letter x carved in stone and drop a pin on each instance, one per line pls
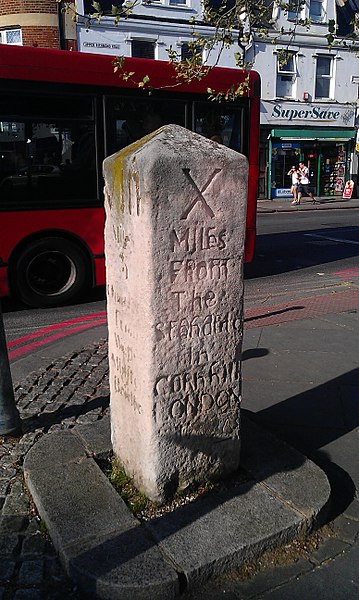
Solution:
(199, 194)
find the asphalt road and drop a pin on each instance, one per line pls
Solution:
(297, 255)
(302, 254)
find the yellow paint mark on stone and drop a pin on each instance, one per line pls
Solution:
(118, 191)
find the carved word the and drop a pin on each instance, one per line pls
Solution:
(120, 236)
(197, 301)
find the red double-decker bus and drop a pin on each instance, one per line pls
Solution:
(61, 114)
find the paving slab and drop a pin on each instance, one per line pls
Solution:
(99, 541)
(347, 319)
(299, 366)
(109, 554)
(309, 405)
(206, 538)
(329, 339)
(340, 577)
(97, 440)
(343, 451)
(287, 473)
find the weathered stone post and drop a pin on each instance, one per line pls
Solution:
(176, 207)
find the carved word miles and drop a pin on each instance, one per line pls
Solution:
(174, 243)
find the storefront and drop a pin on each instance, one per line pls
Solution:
(325, 148)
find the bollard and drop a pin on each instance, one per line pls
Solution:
(9, 415)
(176, 211)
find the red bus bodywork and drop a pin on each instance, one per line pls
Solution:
(45, 66)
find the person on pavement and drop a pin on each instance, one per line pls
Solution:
(293, 172)
(303, 186)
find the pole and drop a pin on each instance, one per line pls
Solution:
(9, 414)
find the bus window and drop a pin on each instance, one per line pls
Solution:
(46, 106)
(46, 163)
(221, 123)
(129, 119)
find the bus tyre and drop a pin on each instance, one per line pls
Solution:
(50, 272)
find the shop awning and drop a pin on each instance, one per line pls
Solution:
(310, 133)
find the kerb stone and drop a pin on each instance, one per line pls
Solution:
(174, 243)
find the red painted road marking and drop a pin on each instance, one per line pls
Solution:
(264, 316)
(303, 308)
(64, 324)
(347, 273)
(52, 338)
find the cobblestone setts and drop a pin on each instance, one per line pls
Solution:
(73, 389)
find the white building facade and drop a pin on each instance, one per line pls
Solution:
(149, 32)
(309, 98)
(309, 104)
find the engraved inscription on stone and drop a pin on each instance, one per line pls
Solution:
(174, 295)
(199, 194)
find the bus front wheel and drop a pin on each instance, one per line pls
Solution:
(50, 272)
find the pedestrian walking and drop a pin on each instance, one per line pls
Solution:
(294, 174)
(303, 186)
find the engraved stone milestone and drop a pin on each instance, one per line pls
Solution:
(175, 226)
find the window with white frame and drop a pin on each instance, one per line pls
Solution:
(324, 77)
(177, 2)
(286, 74)
(11, 36)
(316, 11)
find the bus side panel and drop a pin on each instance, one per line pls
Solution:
(85, 224)
(251, 213)
(4, 288)
(252, 179)
(100, 271)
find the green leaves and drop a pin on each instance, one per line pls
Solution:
(233, 93)
(144, 82)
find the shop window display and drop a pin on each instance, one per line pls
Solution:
(327, 162)
(284, 155)
(333, 171)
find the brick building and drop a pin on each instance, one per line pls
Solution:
(36, 23)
